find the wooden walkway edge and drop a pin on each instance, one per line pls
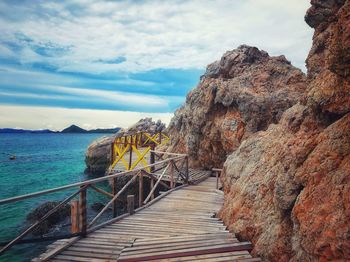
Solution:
(181, 226)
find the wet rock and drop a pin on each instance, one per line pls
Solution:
(52, 220)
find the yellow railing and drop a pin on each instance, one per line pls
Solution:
(139, 144)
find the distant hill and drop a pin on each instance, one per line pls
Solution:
(71, 129)
(23, 131)
(77, 129)
(74, 129)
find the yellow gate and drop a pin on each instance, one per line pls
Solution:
(139, 144)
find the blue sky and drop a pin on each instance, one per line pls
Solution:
(127, 59)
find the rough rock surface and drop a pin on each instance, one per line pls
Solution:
(98, 154)
(329, 59)
(52, 220)
(239, 95)
(287, 189)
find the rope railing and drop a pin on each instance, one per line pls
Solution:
(171, 166)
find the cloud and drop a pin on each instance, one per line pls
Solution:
(154, 91)
(132, 55)
(35, 117)
(131, 36)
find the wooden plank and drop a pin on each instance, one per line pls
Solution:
(180, 227)
(57, 250)
(187, 252)
(227, 256)
(178, 245)
(181, 247)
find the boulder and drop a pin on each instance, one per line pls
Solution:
(239, 95)
(52, 220)
(98, 155)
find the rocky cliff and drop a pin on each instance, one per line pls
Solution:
(287, 189)
(285, 141)
(239, 95)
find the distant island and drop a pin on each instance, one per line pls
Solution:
(71, 129)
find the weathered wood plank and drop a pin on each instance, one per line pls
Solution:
(179, 227)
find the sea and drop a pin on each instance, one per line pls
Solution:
(43, 161)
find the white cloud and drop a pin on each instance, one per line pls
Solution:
(157, 34)
(119, 98)
(35, 117)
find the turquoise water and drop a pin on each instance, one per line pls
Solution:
(43, 161)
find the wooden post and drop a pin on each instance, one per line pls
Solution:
(114, 192)
(141, 188)
(82, 212)
(74, 215)
(131, 204)
(130, 153)
(152, 161)
(112, 153)
(186, 169)
(172, 174)
(217, 175)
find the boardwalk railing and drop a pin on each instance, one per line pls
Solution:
(137, 144)
(170, 165)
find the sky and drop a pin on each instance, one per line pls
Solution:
(109, 63)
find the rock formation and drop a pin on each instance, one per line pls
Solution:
(52, 220)
(287, 189)
(239, 95)
(98, 154)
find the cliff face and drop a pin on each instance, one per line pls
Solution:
(329, 58)
(241, 94)
(287, 189)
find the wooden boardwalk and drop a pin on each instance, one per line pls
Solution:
(181, 226)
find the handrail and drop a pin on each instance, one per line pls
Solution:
(168, 153)
(83, 183)
(166, 163)
(112, 200)
(155, 186)
(33, 226)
